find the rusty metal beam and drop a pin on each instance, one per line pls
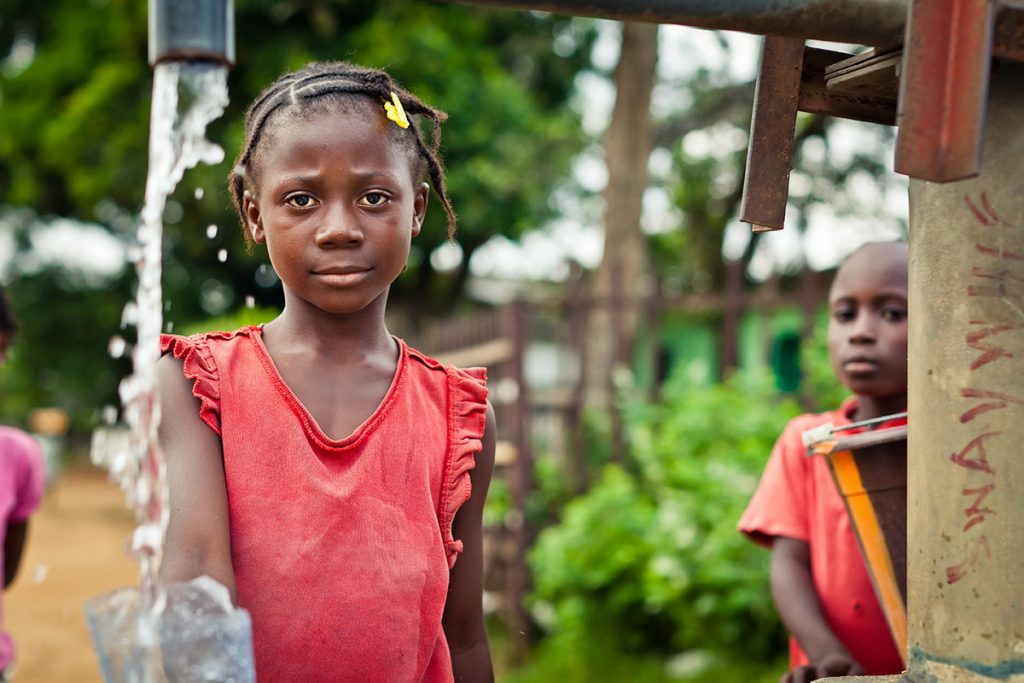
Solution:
(944, 88)
(819, 96)
(867, 22)
(772, 131)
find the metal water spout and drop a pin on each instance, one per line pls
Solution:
(192, 31)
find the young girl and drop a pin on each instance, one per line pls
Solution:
(326, 473)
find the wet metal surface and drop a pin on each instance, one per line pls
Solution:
(192, 30)
(770, 150)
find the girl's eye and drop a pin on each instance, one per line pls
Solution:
(300, 201)
(375, 198)
(894, 314)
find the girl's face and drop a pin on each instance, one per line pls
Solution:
(337, 204)
(867, 332)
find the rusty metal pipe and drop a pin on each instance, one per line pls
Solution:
(878, 23)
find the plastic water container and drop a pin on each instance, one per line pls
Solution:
(199, 636)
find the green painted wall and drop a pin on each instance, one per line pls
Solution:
(767, 341)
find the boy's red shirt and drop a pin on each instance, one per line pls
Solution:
(341, 548)
(797, 498)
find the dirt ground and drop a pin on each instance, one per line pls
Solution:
(75, 551)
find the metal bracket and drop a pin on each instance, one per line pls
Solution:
(862, 87)
(794, 78)
(935, 88)
(770, 152)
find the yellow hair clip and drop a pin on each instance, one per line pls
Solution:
(396, 112)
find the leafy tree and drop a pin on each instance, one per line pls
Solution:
(75, 95)
(76, 113)
(704, 138)
(59, 356)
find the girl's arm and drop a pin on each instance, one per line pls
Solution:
(800, 609)
(463, 618)
(14, 544)
(198, 538)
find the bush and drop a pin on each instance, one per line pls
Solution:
(649, 559)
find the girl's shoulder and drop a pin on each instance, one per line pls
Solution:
(466, 392)
(205, 346)
(474, 378)
(173, 342)
(198, 354)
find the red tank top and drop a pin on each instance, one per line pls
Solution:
(341, 549)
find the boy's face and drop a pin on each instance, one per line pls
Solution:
(867, 331)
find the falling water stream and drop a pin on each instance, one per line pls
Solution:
(186, 98)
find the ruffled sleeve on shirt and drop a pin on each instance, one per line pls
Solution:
(199, 366)
(467, 420)
(781, 503)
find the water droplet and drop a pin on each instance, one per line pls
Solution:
(167, 306)
(250, 302)
(169, 327)
(222, 255)
(211, 231)
(111, 447)
(200, 192)
(130, 316)
(265, 276)
(173, 212)
(40, 573)
(117, 346)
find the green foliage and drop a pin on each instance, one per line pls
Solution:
(606, 662)
(497, 74)
(649, 558)
(60, 357)
(819, 387)
(243, 317)
(498, 503)
(705, 179)
(74, 107)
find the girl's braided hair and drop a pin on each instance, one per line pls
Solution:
(299, 89)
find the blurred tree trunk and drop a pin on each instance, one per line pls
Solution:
(622, 282)
(732, 312)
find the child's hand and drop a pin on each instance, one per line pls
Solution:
(839, 664)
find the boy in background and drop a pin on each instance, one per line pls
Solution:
(22, 477)
(819, 580)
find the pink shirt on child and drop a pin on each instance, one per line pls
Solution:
(22, 479)
(341, 548)
(797, 498)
